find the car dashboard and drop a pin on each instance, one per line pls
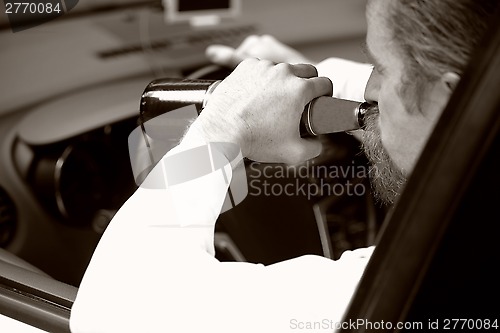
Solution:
(70, 94)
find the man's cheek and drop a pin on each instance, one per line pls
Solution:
(385, 130)
(391, 143)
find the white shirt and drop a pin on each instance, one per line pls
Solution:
(154, 268)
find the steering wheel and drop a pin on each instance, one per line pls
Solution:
(210, 72)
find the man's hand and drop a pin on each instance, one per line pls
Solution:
(259, 106)
(262, 47)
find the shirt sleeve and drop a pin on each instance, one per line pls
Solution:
(349, 78)
(154, 270)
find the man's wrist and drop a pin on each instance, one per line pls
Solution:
(213, 131)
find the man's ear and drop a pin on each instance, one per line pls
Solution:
(450, 81)
(442, 89)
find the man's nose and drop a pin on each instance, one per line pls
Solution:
(372, 88)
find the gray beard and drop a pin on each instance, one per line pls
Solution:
(387, 180)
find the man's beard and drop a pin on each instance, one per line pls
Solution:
(387, 180)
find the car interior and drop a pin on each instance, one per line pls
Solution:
(70, 98)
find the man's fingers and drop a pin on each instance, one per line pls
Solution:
(318, 86)
(304, 150)
(304, 70)
(248, 44)
(223, 55)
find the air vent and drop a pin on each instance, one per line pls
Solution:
(8, 218)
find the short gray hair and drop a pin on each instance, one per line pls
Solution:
(437, 36)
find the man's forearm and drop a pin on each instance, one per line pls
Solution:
(154, 268)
